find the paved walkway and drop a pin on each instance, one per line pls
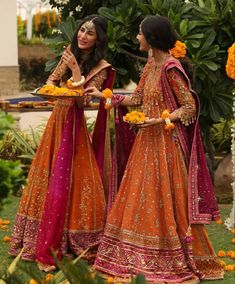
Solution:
(33, 119)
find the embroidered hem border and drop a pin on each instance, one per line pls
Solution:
(121, 259)
(24, 235)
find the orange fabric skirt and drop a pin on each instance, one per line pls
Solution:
(148, 229)
(86, 208)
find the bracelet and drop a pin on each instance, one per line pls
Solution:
(107, 94)
(166, 116)
(72, 84)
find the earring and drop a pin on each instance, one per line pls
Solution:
(150, 52)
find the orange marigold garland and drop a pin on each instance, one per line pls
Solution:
(179, 50)
(166, 116)
(230, 65)
(107, 94)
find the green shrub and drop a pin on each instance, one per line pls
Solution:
(12, 178)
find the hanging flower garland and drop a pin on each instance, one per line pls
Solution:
(230, 66)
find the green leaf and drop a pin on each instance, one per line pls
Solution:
(183, 27)
(107, 13)
(211, 65)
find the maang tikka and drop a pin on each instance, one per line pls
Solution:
(89, 25)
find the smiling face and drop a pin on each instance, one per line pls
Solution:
(87, 36)
(144, 46)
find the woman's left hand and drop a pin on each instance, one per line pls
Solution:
(93, 92)
(150, 122)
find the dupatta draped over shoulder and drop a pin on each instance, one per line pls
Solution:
(201, 198)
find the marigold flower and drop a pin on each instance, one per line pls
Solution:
(107, 94)
(6, 222)
(223, 263)
(230, 65)
(219, 221)
(32, 281)
(59, 91)
(49, 277)
(135, 117)
(229, 267)
(166, 116)
(4, 227)
(110, 280)
(229, 253)
(179, 50)
(232, 255)
(233, 231)
(233, 240)
(7, 239)
(221, 253)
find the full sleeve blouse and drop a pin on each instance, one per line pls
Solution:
(187, 106)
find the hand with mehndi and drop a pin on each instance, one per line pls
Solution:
(69, 59)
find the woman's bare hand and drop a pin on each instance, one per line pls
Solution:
(69, 59)
(93, 92)
(150, 122)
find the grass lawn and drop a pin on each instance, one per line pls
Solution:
(219, 235)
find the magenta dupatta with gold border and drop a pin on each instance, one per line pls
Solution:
(53, 221)
(202, 203)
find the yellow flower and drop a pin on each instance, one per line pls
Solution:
(221, 253)
(135, 117)
(233, 240)
(7, 239)
(110, 280)
(229, 267)
(59, 91)
(223, 264)
(179, 50)
(32, 281)
(229, 253)
(232, 255)
(230, 65)
(5, 222)
(233, 231)
(49, 277)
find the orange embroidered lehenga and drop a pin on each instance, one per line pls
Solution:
(148, 229)
(63, 205)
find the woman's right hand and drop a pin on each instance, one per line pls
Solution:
(93, 92)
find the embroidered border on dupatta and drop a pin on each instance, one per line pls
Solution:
(189, 146)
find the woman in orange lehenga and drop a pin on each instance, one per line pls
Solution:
(155, 226)
(63, 206)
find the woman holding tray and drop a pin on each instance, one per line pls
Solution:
(63, 205)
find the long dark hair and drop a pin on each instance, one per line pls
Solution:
(159, 32)
(100, 49)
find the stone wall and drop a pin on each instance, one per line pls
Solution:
(9, 81)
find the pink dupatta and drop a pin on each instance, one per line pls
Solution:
(201, 198)
(54, 214)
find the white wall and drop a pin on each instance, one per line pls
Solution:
(8, 33)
